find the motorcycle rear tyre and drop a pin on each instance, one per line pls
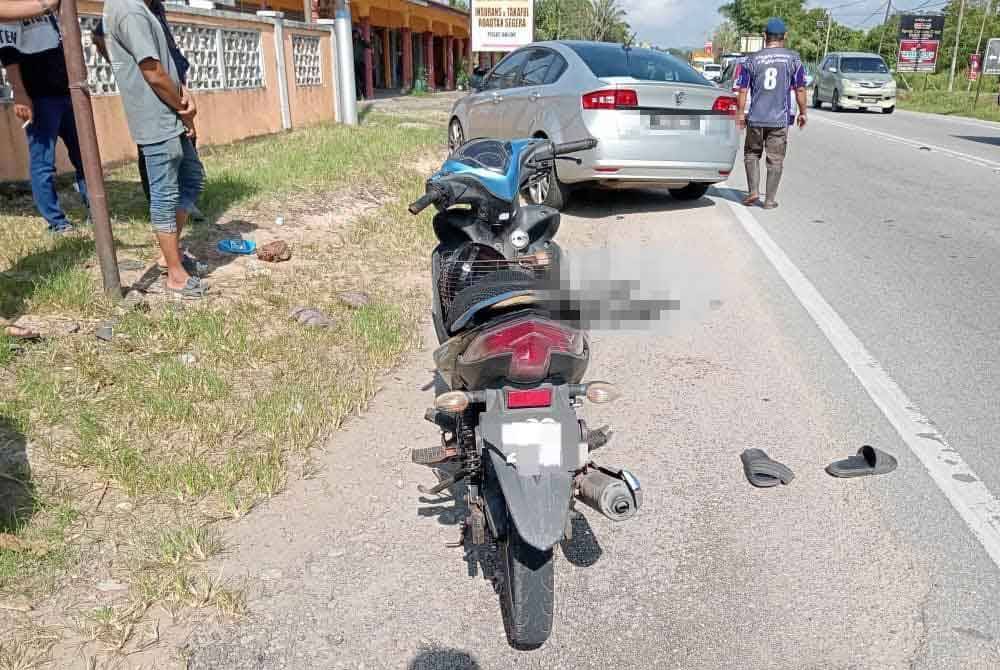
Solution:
(528, 592)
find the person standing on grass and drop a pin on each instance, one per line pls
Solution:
(768, 75)
(31, 50)
(160, 12)
(160, 114)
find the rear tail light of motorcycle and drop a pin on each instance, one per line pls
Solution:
(529, 342)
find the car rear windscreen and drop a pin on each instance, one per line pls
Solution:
(614, 60)
(863, 65)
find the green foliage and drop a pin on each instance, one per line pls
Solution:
(807, 33)
(598, 20)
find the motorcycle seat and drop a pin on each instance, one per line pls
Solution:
(502, 289)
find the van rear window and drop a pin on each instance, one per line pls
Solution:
(614, 60)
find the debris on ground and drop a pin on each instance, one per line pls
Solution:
(130, 265)
(354, 299)
(275, 252)
(187, 359)
(310, 316)
(237, 246)
(106, 330)
(135, 299)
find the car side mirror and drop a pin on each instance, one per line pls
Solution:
(476, 82)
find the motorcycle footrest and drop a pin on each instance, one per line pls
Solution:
(429, 455)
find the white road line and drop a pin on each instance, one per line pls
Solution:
(964, 489)
(969, 158)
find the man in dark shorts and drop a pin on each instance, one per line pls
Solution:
(768, 76)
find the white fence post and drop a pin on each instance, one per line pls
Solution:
(279, 49)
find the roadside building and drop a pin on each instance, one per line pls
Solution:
(408, 39)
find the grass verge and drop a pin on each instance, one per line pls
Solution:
(931, 95)
(137, 447)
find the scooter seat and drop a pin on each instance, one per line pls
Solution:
(490, 293)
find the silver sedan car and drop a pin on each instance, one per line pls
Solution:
(658, 122)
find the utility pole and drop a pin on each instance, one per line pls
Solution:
(93, 173)
(979, 44)
(829, 26)
(954, 54)
(885, 24)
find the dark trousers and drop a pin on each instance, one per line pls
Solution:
(53, 120)
(143, 174)
(774, 143)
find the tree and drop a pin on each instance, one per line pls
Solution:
(599, 20)
(607, 19)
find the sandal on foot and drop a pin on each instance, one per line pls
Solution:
(770, 205)
(191, 265)
(192, 289)
(751, 200)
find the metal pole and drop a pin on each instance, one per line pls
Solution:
(345, 52)
(829, 26)
(885, 23)
(958, 40)
(90, 153)
(979, 45)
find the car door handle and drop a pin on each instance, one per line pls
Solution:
(497, 98)
(535, 95)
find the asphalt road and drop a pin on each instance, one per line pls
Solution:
(350, 567)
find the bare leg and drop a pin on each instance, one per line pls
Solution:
(182, 218)
(177, 276)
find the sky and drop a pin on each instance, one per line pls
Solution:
(687, 23)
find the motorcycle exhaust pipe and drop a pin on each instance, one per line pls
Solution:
(614, 492)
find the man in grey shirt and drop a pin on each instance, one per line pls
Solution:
(160, 115)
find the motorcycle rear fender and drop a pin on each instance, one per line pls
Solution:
(538, 505)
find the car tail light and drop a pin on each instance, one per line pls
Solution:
(726, 104)
(529, 399)
(529, 343)
(611, 99)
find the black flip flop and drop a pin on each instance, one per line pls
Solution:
(868, 461)
(764, 472)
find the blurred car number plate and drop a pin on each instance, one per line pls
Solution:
(869, 100)
(673, 122)
(536, 445)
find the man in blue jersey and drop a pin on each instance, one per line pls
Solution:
(768, 76)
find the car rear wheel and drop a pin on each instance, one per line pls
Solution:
(889, 110)
(456, 135)
(817, 103)
(692, 191)
(835, 102)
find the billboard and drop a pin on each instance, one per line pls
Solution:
(502, 25)
(918, 56)
(921, 27)
(991, 63)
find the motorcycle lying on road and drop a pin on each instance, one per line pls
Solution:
(514, 374)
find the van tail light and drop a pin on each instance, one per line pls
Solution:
(529, 399)
(529, 343)
(726, 104)
(611, 99)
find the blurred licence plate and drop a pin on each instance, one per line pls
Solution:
(535, 445)
(869, 100)
(674, 122)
